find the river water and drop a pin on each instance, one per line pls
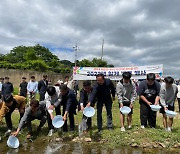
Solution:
(53, 147)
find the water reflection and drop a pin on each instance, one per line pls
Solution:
(52, 147)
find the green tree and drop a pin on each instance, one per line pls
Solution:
(30, 54)
(99, 63)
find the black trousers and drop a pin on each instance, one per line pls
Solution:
(42, 96)
(108, 105)
(8, 116)
(71, 120)
(178, 103)
(24, 94)
(42, 122)
(86, 122)
(58, 110)
(147, 115)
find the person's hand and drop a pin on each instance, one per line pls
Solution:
(113, 98)
(15, 133)
(64, 117)
(88, 104)
(52, 116)
(156, 103)
(149, 103)
(82, 108)
(121, 105)
(165, 108)
(51, 107)
(131, 105)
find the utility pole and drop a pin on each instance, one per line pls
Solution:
(102, 50)
(75, 50)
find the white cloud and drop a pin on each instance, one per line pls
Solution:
(136, 32)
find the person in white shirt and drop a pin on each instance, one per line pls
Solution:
(32, 88)
(68, 82)
(178, 94)
(52, 99)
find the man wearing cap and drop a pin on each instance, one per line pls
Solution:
(102, 90)
(42, 86)
(9, 105)
(7, 87)
(69, 103)
(36, 110)
(148, 92)
(23, 87)
(126, 92)
(168, 94)
(84, 95)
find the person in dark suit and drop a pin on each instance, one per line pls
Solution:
(102, 90)
(23, 87)
(84, 95)
(7, 87)
(42, 87)
(69, 103)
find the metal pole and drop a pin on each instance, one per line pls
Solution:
(75, 49)
(102, 50)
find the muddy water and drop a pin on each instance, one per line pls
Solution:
(53, 147)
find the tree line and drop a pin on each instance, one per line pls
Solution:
(40, 58)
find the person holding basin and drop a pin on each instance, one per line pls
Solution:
(168, 94)
(104, 91)
(126, 93)
(148, 92)
(69, 104)
(36, 110)
(84, 95)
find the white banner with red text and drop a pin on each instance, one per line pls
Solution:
(115, 73)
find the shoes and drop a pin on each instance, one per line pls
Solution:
(142, 126)
(129, 127)
(8, 132)
(51, 131)
(71, 129)
(169, 129)
(123, 129)
(28, 137)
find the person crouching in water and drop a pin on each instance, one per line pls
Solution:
(126, 92)
(69, 103)
(10, 103)
(84, 95)
(168, 95)
(36, 110)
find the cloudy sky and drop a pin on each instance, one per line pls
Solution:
(135, 32)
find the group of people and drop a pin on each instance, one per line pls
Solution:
(62, 97)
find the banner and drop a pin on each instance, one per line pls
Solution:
(115, 73)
